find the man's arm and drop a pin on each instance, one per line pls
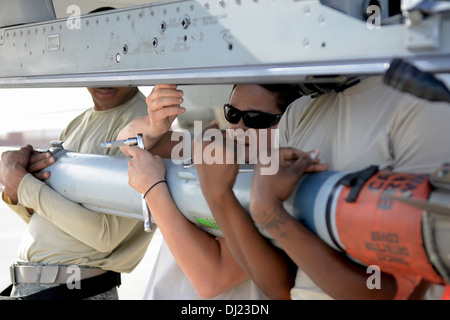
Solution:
(12, 169)
(102, 232)
(332, 271)
(271, 270)
(37, 161)
(163, 106)
(206, 261)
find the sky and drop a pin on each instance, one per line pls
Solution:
(42, 108)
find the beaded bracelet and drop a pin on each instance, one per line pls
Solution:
(152, 187)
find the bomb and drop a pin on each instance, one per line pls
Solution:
(397, 221)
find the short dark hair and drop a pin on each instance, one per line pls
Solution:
(102, 9)
(284, 93)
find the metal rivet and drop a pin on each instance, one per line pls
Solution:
(185, 22)
(306, 42)
(307, 10)
(322, 19)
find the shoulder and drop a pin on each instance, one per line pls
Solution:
(82, 115)
(136, 106)
(424, 113)
(75, 122)
(138, 100)
(294, 112)
(298, 106)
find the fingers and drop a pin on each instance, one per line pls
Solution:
(292, 154)
(134, 151)
(167, 85)
(40, 161)
(166, 112)
(144, 167)
(297, 160)
(42, 175)
(20, 157)
(139, 155)
(314, 154)
(317, 167)
(27, 149)
(289, 154)
(164, 96)
(163, 106)
(309, 162)
(292, 159)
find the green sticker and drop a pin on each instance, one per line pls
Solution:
(210, 223)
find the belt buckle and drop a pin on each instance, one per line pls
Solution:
(12, 274)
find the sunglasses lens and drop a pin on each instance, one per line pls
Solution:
(232, 115)
(252, 119)
(257, 120)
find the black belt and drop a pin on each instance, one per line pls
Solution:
(88, 288)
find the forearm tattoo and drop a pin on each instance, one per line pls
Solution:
(273, 222)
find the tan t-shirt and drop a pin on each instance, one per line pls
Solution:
(63, 232)
(368, 124)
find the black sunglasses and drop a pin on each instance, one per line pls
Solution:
(252, 119)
